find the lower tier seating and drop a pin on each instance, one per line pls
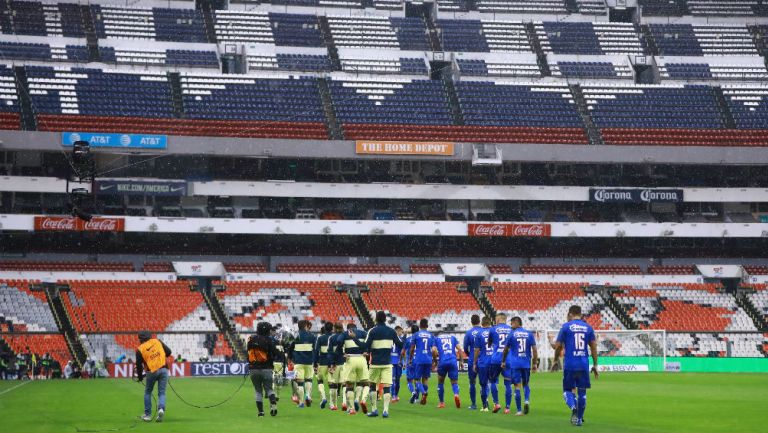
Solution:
(19, 265)
(191, 347)
(582, 269)
(285, 303)
(339, 268)
(22, 310)
(39, 344)
(442, 304)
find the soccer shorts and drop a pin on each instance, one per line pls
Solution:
(494, 370)
(304, 371)
(575, 379)
(422, 371)
(355, 370)
(381, 374)
(337, 374)
(471, 373)
(410, 372)
(451, 370)
(519, 375)
(277, 368)
(482, 375)
(322, 373)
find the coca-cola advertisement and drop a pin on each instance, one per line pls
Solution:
(96, 224)
(510, 230)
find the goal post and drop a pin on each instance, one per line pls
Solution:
(618, 350)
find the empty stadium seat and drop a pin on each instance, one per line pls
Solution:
(483, 36)
(425, 269)
(245, 267)
(339, 268)
(160, 24)
(702, 39)
(672, 270)
(22, 310)
(588, 38)
(379, 32)
(527, 7)
(23, 265)
(582, 269)
(489, 68)
(9, 100)
(591, 70)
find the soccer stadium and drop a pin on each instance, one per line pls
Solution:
(383, 216)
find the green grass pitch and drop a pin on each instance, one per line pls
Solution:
(618, 402)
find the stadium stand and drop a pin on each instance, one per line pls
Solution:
(402, 65)
(160, 57)
(122, 306)
(747, 104)
(290, 62)
(9, 100)
(715, 345)
(756, 269)
(159, 24)
(425, 269)
(483, 36)
(705, 71)
(500, 269)
(192, 347)
(339, 268)
(661, 8)
(588, 38)
(53, 344)
(449, 308)
(158, 267)
(491, 68)
(245, 267)
(582, 269)
(725, 8)
(285, 303)
(760, 299)
(22, 310)
(672, 270)
(527, 7)
(591, 70)
(379, 32)
(702, 40)
(684, 307)
(23, 265)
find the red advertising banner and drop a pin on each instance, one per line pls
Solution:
(96, 224)
(509, 230)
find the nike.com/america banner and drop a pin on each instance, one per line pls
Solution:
(135, 187)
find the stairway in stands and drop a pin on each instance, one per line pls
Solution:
(541, 56)
(453, 100)
(363, 313)
(176, 94)
(223, 323)
(333, 52)
(593, 133)
(618, 310)
(64, 322)
(650, 43)
(483, 301)
(725, 111)
(571, 6)
(753, 313)
(28, 121)
(334, 129)
(91, 39)
(206, 8)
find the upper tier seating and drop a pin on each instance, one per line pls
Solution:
(661, 8)
(672, 270)
(403, 65)
(159, 24)
(726, 8)
(285, 303)
(453, 5)
(591, 70)
(22, 310)
(704, 71)
(384, 4)
(545, 305)
(9, 99)
(716, 345)
(483, 36)
(448, 309)
(245, 267)
(500, 269)
(289, 62)
(684, 307)
(582, 269)
(23, 265)
(702, 40)
(527, 7)
(591, 7)
(339, 268)
(158, 267)
(38, 19)
(191, 347)
(112, 306)
(379, 32)
(280, 107)
(539, 112)
(40, 344)
(588, 38)
(756, 269)
(425, 269)
(43, 52)
(489, 68)
(95, 92)
(160, 57)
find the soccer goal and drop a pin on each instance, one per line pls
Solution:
(619, 350)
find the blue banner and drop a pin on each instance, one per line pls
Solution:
(130, 141)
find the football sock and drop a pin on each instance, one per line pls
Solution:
(425, 387)
(374, 397)
(473, 393)
(387, 398)
(350, 398)
(455, 387)
(570, 399)
(507, 393)
(410, 387)
(308, 389)
(518, 403)
(441, 392)
(582, 402)
(495, 393)
(358, 393)
(527, 390)
(321, 388)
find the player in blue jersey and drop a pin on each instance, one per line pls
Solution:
(423, 355)
(482, 359)
(574, 338)
(520, 356)
(447, 348)
(397, 365)
(498, 339)
(469, 351)
(410, 371)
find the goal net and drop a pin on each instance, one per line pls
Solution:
(625, 350)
